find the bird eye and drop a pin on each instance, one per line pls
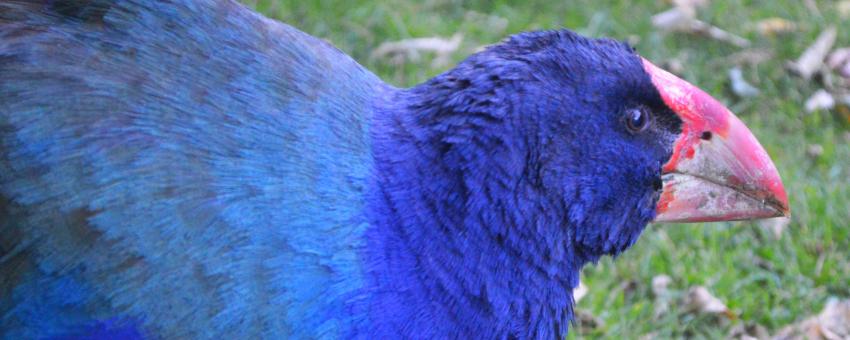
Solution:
(637, 119)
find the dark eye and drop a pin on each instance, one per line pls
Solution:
(637, 119)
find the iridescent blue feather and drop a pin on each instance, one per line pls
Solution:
(177, 163)
(191, 169)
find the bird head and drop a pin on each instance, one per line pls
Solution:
(587, 135)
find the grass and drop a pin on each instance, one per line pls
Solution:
(764, 280)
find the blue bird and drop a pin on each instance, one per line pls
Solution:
(191, 169)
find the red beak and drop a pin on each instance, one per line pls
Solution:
(718, 171)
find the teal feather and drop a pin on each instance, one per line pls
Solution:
(147, 177)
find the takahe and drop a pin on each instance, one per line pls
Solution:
(190, 169)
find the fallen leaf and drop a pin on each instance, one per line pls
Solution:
(719, 34)
(690, 3)
(683, 19)
(821, 100)
(814, 150)
(775, 26)
(701, 301)
(839, 61)
(776, 225)
(579, 292)
(740, 87)
(660, 288)
(409, 49)
(751, 57)
(812, 59)
(833, 323)
(748, 331)
(676, 19)
(660, 285)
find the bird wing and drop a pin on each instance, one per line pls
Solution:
(187, 167)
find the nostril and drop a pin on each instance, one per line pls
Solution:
(657, 184)
(706, 135)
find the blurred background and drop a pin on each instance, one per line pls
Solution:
(781, 65)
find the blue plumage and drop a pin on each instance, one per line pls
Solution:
(192, 169)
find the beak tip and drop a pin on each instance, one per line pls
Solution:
(776, 194)
(786, 208)
(728, 177)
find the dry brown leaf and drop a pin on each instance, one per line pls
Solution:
(748, 331)
(660, 285)
(812, 59)
(580, 291)
(751, 57)
(775, 26)
(690, 3)
(676, 19)
(683, 19)
(740, 86)
(776, 225)
(814, 150)
(409, 49)
(660, 288)
(820, 100)
(833, 323)
(839, 60)
(701, 301)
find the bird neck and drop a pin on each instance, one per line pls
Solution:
(462, 241)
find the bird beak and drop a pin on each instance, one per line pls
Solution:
(718, 170)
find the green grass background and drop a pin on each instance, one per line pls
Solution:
(764, 281)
